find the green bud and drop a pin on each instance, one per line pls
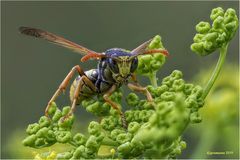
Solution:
(216, 12)
(66, 123)
(32, 128)
(203, 27)
(136, 115)
(191, 102)
(100, 137)
(156, 43)
(125, 148)
(198, 38)
(109, 122)
(94, 107)
(79, 152)
(50, 136)
(79, 139)
(43, 132)
(195, 117)
(115, 133)
(63, 136)
(57, 115)
(198, 48)
(198, 91)
(218, 23)
(178, 85)
(65, 110)
(230, 13)
(52, 109)
(138, 147)
(30, 140)
(39, 142)
(132, 99)
(87, 102)
(94, 128)
(211, 36)
(176, 74)
(168, 96)
(92, 143)
(133, 127)
(208, 46)
(123, 138)
(183, 144)
(44, 121)
(144, 115)
(188, 88)
(231, 26)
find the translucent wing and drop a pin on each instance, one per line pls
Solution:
(38, 33)
(142, 49)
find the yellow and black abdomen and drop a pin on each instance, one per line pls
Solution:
(85, 91)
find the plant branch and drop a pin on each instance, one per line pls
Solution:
(223, 51)
(153, 79)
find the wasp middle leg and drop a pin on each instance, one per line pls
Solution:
(82, 82)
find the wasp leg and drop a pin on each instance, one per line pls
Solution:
(134, 78)
(139, 88)
(114, 105)
(63, 85)
(82, 81)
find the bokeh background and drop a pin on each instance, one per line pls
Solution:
(31, 69)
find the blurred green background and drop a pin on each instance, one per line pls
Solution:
(32, 69)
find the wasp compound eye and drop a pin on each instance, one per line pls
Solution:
(113, 65)
(134, 64)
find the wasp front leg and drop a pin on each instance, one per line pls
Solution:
(138, 88)
(114, 105)
(64, 85)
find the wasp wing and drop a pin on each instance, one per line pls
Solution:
(141, 49)
(38, 33)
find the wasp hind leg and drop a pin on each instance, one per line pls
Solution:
(64, 85)
(114, 105)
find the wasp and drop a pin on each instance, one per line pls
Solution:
(116, 67)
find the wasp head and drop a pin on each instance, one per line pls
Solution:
(122, 63)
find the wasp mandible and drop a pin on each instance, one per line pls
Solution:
(116, 67)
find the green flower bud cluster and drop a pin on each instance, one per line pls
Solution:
(177, 104)
(208, 38)
(148, 64)
(153, 127)
(49, 131)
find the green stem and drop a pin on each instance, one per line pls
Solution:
(223, 51)
(153, 79)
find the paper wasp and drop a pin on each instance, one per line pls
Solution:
(115, 67)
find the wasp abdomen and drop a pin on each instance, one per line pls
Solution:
(85, 90)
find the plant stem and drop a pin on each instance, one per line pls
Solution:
(153, 79)
(223, 51)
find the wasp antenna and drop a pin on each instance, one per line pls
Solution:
(153, 51)
(92, 55)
